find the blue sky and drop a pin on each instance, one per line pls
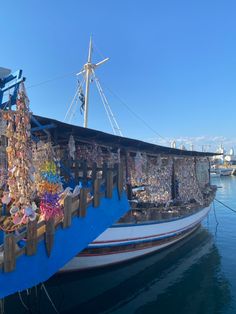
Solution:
(172, 62)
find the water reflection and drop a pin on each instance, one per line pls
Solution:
(185, 278)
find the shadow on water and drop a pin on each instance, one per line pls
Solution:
(185, 278)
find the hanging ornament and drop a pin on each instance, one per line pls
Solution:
(71, 145)
(20, 173)
(49, 183)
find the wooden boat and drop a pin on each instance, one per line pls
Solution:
(150, 226)
(136, 235)
(41, 229)
(169, 192)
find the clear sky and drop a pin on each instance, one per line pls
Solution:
(173, 62)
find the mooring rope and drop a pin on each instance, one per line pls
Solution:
(47, 294)
(22, 302)
(2, 307)
(233, 210)
(214, 210)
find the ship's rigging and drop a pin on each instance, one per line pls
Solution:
(88, 74)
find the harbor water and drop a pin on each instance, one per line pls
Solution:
(197, 275)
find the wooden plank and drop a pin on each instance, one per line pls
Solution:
(109, 183)
(32, 240)
(67, 211)
(96, 192)
(9, 255)
(83, 202)
(49, 235)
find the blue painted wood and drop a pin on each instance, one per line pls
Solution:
(12, 83)
(43, 127)
(31, 270)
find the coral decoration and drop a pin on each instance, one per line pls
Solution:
(49, 189)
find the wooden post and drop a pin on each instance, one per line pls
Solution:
(32, 241)
(76, 171)
(85, 172)
(109, 183)
(67, 211)
(94, 172)
(9, 256)
(83, 202)
(49, 235)
(120, 179)
(96, 192)
(104, 170)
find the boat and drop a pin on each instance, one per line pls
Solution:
(225, 171)
(64, 185)
(218, 171)
(169, 191)
(38, 217)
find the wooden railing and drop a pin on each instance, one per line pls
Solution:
(73, 206)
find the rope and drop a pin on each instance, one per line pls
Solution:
(47, 294)
(115, 127)
(22, 302)
(214, 210)
(233, 210)
(52, 79)
(2, 307)
(136, 115)
(72, 108)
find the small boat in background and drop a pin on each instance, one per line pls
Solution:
(221, 171)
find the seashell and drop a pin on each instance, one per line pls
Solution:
(14, 210)
(34, 206)
(28, 211)
(16, 219)
(6, 199)
(33, 216)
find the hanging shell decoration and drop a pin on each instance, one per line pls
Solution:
(18, 199)
(48, 181)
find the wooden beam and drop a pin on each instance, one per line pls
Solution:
(96, 192)
(83, 202)
(32, 240)
(109, 183)
(9, 255)
(67, 211)
(120, 179)
(49, 235)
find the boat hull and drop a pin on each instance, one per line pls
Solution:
(123, 242)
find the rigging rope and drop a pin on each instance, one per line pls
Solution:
(113, 93)
(72, 108)
(136, 115)
(52, 79)
(115, 127)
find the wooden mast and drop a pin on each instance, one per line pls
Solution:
(88, 70)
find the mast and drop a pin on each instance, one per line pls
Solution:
(88, 69)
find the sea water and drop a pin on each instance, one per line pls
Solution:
(197, 275)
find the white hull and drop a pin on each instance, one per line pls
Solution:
(121, 243)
